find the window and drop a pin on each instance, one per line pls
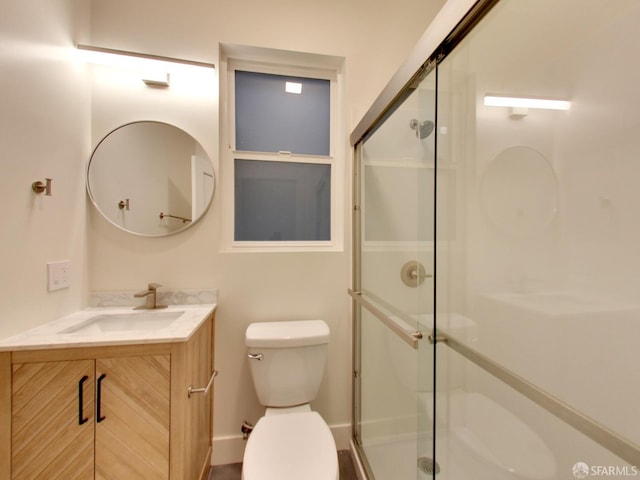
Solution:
(279, 201)
(276, 113)
(281, 127)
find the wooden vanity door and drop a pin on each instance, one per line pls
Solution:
(52, 429)
(132, 430)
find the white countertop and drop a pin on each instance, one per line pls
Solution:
(49, 336)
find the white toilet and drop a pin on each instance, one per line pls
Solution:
(290, 441)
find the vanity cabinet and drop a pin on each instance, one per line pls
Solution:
(108, 412)
(60, 409)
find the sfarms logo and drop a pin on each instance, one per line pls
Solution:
(582, 470)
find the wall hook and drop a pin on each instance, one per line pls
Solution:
(123, 204)
(40, 187)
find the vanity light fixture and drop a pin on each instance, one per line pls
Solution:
(156, 68)
(524, 102)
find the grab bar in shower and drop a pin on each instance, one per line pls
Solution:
(411, 338)
(584, 424)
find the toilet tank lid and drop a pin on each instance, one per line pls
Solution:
(299, 333)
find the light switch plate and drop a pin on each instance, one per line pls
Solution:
(58, 275)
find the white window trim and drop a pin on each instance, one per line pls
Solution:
(228, 153)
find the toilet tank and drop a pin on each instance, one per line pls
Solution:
(287, 360)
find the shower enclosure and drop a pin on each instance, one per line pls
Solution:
(496, 292)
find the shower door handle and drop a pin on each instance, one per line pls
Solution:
(411, 338)
(255, 356)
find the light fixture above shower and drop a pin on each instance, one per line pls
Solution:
(526, 102)
(423, 129)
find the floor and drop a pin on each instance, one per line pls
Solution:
(234, 471)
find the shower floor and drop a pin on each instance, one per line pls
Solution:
(397, 459)
(481, 441)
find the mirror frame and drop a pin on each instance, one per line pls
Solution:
(120, 227)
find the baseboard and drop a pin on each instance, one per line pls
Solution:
(226, 450)
(230, 449)
(342, 435)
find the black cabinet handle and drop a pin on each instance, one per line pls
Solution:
(81, 420)
(99, 417)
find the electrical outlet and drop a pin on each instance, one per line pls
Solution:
(58, 275)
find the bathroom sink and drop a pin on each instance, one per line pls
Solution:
(124, 322)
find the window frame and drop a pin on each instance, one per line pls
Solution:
(334, 159)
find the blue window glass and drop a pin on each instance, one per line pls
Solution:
(282, 201)
(272, 118)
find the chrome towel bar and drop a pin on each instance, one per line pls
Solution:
(204, 390)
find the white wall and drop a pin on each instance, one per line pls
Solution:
(44, 132)
(373, 39)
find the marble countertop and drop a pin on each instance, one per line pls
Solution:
(52, 335)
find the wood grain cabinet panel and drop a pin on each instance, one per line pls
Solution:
(49, 437)
(132, 432)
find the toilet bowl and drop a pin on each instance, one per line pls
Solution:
(290, 447)
(290, 441)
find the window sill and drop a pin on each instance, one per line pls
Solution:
(283, 247)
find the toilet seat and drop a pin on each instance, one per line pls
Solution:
(290, 447)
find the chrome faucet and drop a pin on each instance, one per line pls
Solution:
(150, 293)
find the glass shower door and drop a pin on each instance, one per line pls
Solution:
(394, 241)
(537, 289)
(524, 221)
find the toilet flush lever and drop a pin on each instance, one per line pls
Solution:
(255, 356)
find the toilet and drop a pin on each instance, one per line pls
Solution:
(290, 441)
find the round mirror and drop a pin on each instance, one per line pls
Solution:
(519, 191)
(150, 178)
